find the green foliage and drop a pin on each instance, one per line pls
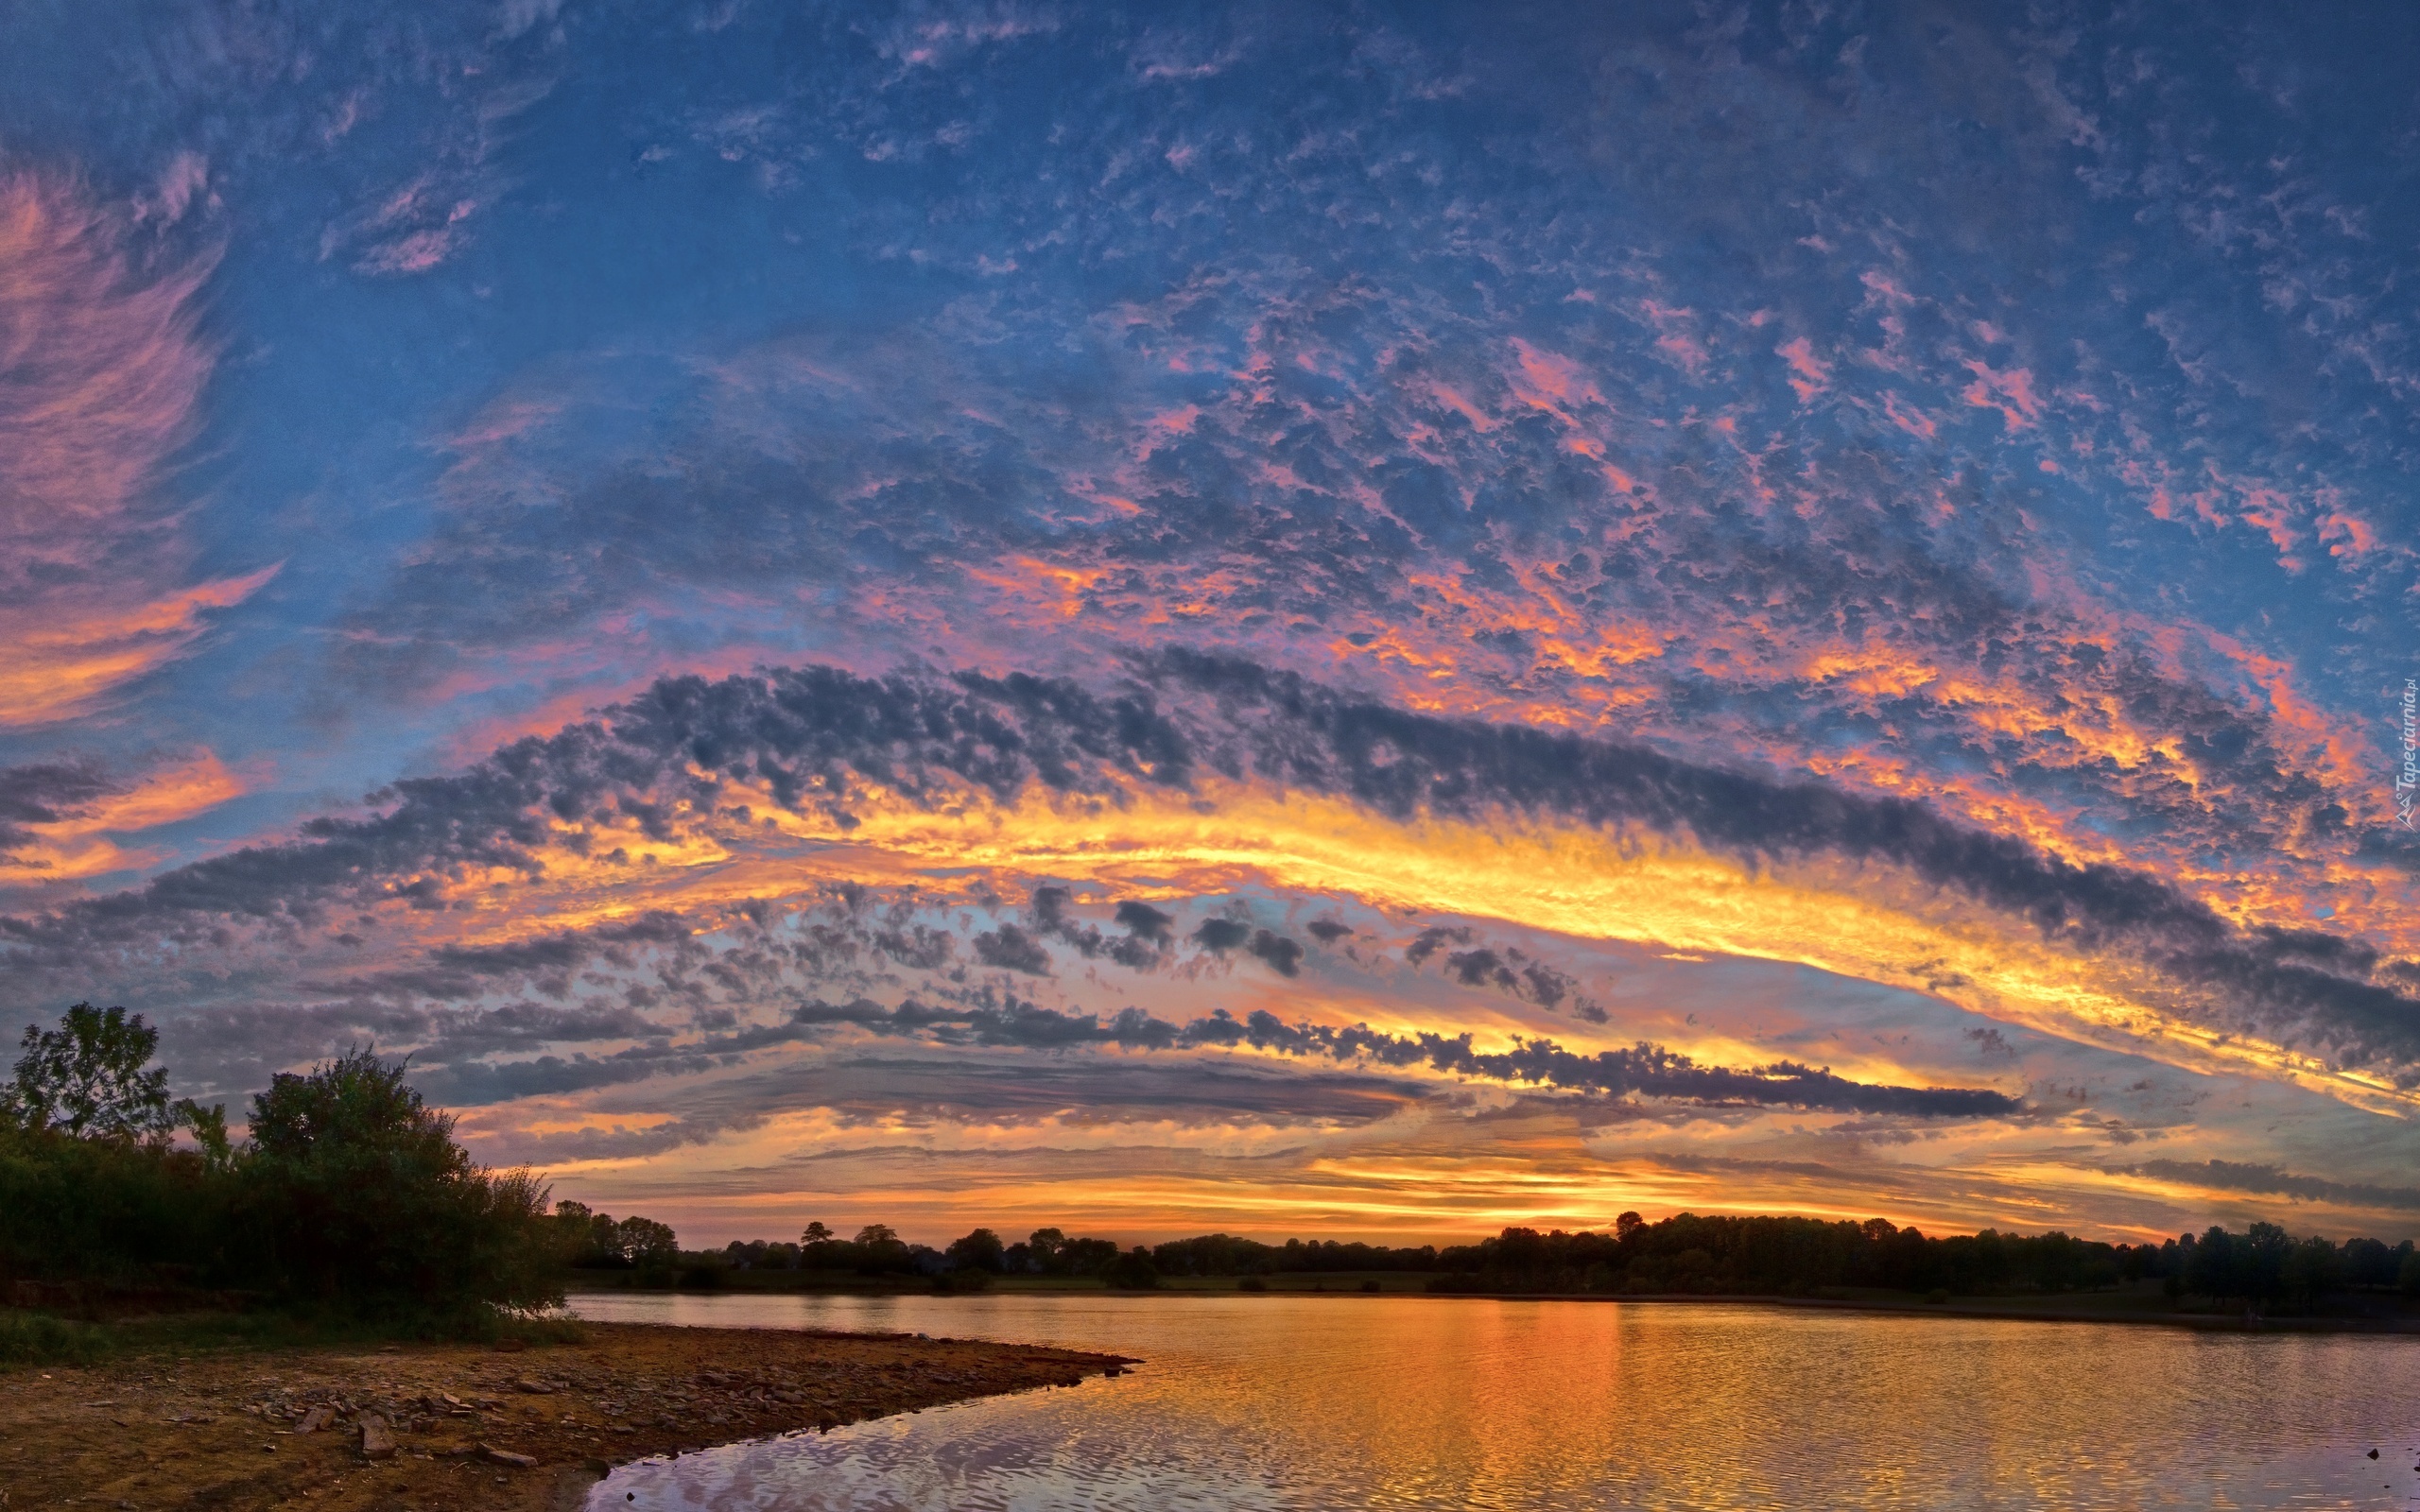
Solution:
(368, 1204)
(86, 1079)
(118, 1214)
(37, 1338)
(598, 1241)
(349, 1196)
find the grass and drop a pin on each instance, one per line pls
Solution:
(32, 1339)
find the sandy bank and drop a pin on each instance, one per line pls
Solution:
(471, 1426)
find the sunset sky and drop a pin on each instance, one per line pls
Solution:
(1361, 621)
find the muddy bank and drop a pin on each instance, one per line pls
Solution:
(453, 1426)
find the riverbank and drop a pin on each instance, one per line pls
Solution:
(462, 1425)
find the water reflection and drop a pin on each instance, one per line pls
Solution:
(1281, 1401)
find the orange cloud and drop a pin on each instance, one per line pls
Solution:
(83, 842)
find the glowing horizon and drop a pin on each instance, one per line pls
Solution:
(819, 635)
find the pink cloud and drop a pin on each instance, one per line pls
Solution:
(1551, 382)
(1675, 336)
(415, 254)
(104, 370)
(2271, 513)
(1907, 417)
(1811, 377)
(2011, 392)
(2351, 534)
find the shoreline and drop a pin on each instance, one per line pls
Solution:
(515, 1430)
(1965, 1308)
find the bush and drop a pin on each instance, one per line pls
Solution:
(365, 1203)
(120, 1214)
(1251, 1283)
(37, 1338)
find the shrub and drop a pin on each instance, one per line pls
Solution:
(363, 1200)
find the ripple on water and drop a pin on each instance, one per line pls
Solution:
(1276, 1401)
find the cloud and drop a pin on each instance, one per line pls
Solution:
(1643, 1070)
(817, 742)
(57, 820)
(43, 794)
(2268, 1180)
(102, 369)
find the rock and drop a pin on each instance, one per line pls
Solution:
(315, 1419)
(2373, 1454)
(506, 1458)
(535, 1389)
(376, 1443)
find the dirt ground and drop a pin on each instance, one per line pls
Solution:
(472, 1426)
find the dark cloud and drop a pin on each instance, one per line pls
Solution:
(1429, 941)
(1993, 1044)
(1644, 1069)
(2268, 1180)
(1327, 931)
(1283, 955)
(1014, 950)
(1145, 922)
(1222, 935)
(44, 793)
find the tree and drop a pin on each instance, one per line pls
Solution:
(817, 1233)
(980, 1251)
(1133, 1271)
(86, 1077)
(366, 1201)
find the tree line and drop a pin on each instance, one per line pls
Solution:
(348, 1191)
(2264, 1267)
(1784, 1256)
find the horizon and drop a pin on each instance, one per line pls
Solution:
(1397, 626)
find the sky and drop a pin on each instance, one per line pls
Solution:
(1346, 620)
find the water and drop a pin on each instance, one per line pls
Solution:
(1317, 1402)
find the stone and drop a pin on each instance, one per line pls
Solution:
(535, 1387)
(377, 1441)
(315, 1419)
(506, 1458)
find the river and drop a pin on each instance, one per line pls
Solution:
(1336, 1401)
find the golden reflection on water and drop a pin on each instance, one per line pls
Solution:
(1411, 1403)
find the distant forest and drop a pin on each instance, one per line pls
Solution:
(2264, 1266)
(349, 1195)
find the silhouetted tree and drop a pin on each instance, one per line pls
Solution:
(980, 1251)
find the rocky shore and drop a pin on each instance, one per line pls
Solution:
(446, 1426)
